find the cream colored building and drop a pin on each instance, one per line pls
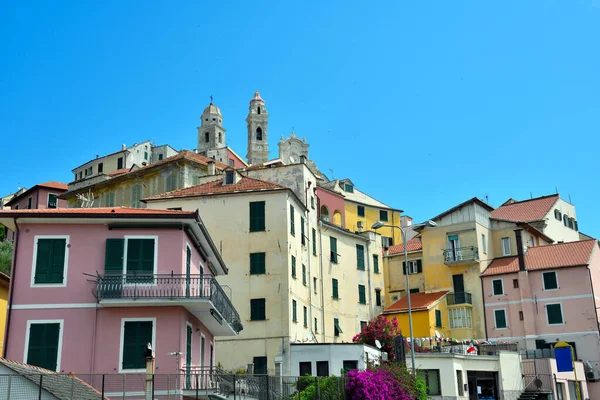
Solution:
(293, 279)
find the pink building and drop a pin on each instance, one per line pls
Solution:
(329, 204)
(544, 295)
(91, 287)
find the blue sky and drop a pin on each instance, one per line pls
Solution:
(422, 104)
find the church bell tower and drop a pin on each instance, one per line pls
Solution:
(258, 132)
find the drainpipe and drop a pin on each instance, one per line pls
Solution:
(520, 254)
(484, 318)
(11, 288)
(371, 307)
(310, 283)
(321, 277)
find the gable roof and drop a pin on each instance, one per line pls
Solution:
(560, 255)
(244, 185)
(461, 205)
(526, 210)
(61, 386)
(58, 186)
(418, 301)
(411, 246)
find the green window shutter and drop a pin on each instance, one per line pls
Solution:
(292, 222)
(500, 318)
(257, 310)
(419, 266)
(550, 281)
(378, 298)
(50, 261)
(257, 263)
(360, 257)
(52, 201)
(404, 267)
(333, 249)
(43, 345)
(304, 274)
(376, 264)
(113, 256)
(438, 318)
(362, 298)
(294, 315)
(257, 216)
(314, 241)
(136, 336)
(305, 317)
(140, 256)
(498, 290)
(336, 327)
(554, 314)
(293, 267)
(334, 284)
(302, 233)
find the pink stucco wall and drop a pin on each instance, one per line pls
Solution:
(334, 202)
(76, 304)
(237, 163)
(39, 199)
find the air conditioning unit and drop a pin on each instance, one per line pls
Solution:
(592, 376)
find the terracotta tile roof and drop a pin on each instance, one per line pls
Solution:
(245, 184)
(527, 210)
(54, 185)
(119, 172)
(418, 301)
(411, 245)
(558, 255)
(95, 212)
(50, 185)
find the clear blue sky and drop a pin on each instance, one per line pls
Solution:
(421, 105)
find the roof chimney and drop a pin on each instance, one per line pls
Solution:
(520, 254)
(123, 146)
(211, 168)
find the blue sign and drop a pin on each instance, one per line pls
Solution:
(564, 359)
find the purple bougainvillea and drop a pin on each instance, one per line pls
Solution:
(375, 384)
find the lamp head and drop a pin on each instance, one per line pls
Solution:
(377, 225)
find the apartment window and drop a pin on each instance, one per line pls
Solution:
(50, 260)
(52, 200)
(459, 317)
(75, 177)
(302, 233)
(229, 177)
(414, 267)
(362, 297)
(521, 317)
(293, 267)
(257, 216)
(100, 168)
(348, 188)
(363, 325)
(312, 202)
(80, 174)
(500, 319)
(438, 319)
(139, 256)
(336, 327)
(109, 199)
(315, 285)
(43, 346)
(160, 157)
(378, 297)
(334, 289)
(333, 257)
(314, 241)
(432, 380)
(260, 365)
(257, 263)
(257, 310)
(515, 283)
(322, 368)
(305, 310)
(376, 264)
(383, 216)
(570, 221)
(554, 314)
(360, 257)
(565, 219)
(146, 155)
(560, 391)
(532, 240)
(294, 314)
(483, 243)
(304, 274)
(459, 382)
(550, 280)
(575, 225)
(29, 201)
(136, 195)
(171, 183)
(557, 214)
(231, 162)
(292, 223)
(316, 326)
(136, 336)
(360, 210)
(305, 368)
(349, 365)
(414, 291)
(119, 164)
(387, 241)
(505, 246)
(497, 287)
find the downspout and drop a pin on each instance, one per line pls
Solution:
(484, 317)
(11, 288)
(307, 235)
(371, 307)
(321, 276)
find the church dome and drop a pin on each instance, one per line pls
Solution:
(212, 109)
(257, 97)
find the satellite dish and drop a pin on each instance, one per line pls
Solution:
(378, 344)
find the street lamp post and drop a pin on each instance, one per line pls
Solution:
(378, 225)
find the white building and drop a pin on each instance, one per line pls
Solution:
(326, 359)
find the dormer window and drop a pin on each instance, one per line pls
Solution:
(566, 220)
(229, 177)
(557, 214)
(348, 188)
(259, 133)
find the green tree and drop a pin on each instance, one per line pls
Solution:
(6, 249)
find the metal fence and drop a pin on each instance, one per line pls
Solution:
(202, 385)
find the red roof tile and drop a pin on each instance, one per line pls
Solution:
(558, 255)
(527, 210)
(51, 185)
(245, 184)
(418, 301)
(411, 245)
(95, 212)
(54, 185)
(119, 172)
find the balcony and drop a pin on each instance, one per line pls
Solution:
(461, 255)
(453, 299)
(199, 294)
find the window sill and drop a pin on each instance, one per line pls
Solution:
(551, 290)
(336, 298)
(48, 285)
(251, 231)
(252, 320)
(498, 295)
(258, 273)
(559, 324)
(501, 329)
(362, 304)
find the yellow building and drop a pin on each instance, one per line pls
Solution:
(429, 314)
(4, 283)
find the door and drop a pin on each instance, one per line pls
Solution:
(188, 270)
(458, 284)
(453, 253)
(202, 355)
(188, 358)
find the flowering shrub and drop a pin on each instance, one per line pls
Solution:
(375, 384)
(380, 329)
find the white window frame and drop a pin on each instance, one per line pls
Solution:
(562, 314)
(412, 267)
(504, 253)
(505, 318)
(483, 243)
(462, 314)
(48, 200)
(61, 322)
(187, 323)
(544, 282)
(122, 340)
(125, 250)
(65, 266)
(502, 282)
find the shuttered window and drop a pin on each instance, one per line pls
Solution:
(550, 280)
(438, 318)
(333, 250)
(314, 241)
(302, 233)
(294, 314)
(113, 256)
(171, 183)
(376, 264)
(42, 349)
(52, 200)
(136, 336)
(554, 314)
(336, 327)
(378, 297)
(305, 317)
(50, 261)
(500, 319)
(140, 257)
(257, 216)
(334, 288)
(304, 274)
(292, 222)
(498, 287)
(257, 263)
(362, 297)
(257, 310)
(293, 267)
(360, 257)
(136, 195)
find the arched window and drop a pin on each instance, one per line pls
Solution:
(220, 137)
(206, 137)
(337, 218)
(258, 133)
(325, 213)
(259, 110)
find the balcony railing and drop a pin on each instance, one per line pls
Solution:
(458, 298)
(168, 287)
(461, 255)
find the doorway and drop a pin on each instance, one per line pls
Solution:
(458, 283)
(483, 385)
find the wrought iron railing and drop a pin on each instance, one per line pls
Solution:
(461, 254)
(458, 298)
(168, 286)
